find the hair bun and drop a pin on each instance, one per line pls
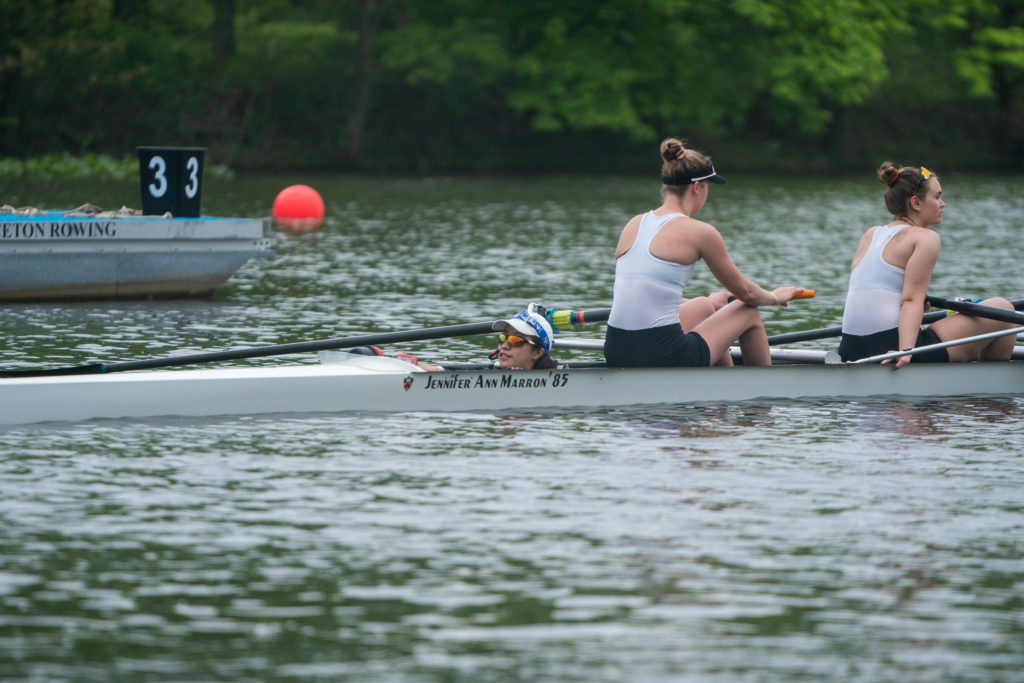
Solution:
(672, 149)
(888, 174)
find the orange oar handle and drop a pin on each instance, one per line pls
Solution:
(802, 294)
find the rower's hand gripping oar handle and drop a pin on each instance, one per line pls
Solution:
(802, 294)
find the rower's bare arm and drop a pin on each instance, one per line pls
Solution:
(916, 279)
(713, 251)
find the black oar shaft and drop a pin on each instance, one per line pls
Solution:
(826, 332)
(979, 310)
(305, 347)
(382, 338)
(262, 351)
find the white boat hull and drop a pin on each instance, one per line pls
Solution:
(389, 385)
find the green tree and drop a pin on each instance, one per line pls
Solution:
(956, 75)
(427, 86)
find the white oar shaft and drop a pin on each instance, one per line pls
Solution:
(778, 355)
(579, 344)
(942, 345)
(793, 355)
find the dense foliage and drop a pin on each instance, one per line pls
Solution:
(413, 86)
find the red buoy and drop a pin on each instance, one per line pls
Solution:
(299, 208)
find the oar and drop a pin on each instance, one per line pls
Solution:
(979, 310)
(941, 345)
(564, 319)
(777, 355)
(380, 339)
(825, 332)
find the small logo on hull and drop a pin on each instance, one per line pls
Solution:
(407, 382)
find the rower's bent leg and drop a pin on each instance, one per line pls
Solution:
(961, 325)
(692, 312)
(754, 344)
(736, 321)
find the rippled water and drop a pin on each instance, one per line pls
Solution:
(791, 541)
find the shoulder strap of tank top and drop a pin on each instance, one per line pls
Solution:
(885, 233)
(651, 225)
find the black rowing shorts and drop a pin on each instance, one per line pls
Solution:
(855, 347)
(655, 347)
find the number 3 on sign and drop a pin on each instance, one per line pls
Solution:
(159, 187)
(192, 166)
(171, 180)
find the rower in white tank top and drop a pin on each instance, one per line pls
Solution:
(876, 288)
(648, 289)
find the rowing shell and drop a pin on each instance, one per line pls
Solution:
(381, 384)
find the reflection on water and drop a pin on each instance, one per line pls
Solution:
(868, 540)
(898, 418)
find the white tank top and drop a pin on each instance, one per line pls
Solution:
(648, 290)
(876, 289)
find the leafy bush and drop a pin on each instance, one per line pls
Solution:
(100, 166)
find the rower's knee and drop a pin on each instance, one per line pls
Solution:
(692, 311)
(999, 302)
(753, 316)
(751, 326)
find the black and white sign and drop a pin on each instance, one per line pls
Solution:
(171, 180)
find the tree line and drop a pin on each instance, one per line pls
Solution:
(461, 86)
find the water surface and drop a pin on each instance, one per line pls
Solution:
(791, 541)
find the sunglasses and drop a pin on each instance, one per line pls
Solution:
(925, 175)
(515, 340)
